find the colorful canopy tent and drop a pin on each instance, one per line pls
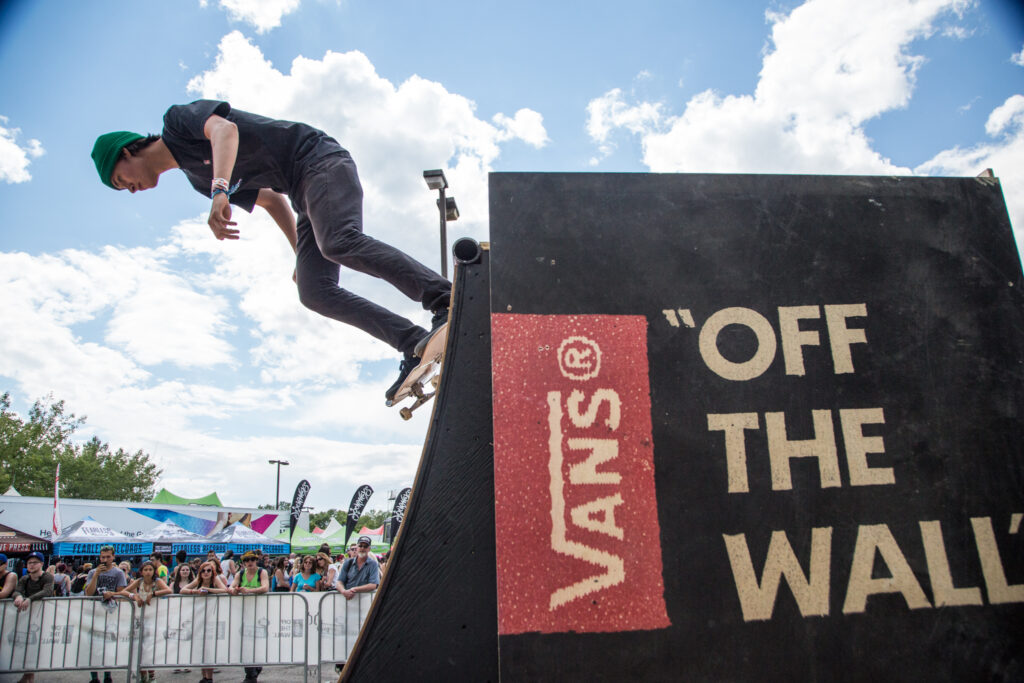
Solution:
(11, 492)
(303, 542)
(336, 540)
(317, 530)
(87, 536)
(240, 538)
(165, 497)
(169, 532)
(334, 526)
(13, 542)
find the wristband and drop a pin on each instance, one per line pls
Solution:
(219, 190)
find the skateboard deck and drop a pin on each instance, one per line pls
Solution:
(426, 372)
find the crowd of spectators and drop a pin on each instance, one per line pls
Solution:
(144, 580)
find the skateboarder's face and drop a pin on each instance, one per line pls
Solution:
(132, 173)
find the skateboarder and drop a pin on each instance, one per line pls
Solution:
(248, 160)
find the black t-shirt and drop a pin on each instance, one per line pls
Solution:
(271, 153)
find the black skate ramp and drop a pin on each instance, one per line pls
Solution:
(757, 428)
(742, 428)
(435, 617)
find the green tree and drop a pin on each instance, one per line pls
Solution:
(372, 519)
(322, 519)
(30, 450)
(119, 475)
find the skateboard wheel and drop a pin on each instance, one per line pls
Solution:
(405, 413)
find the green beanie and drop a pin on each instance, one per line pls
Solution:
(107, 151)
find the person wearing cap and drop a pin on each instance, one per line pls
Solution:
(239, 158)
(251, 580)
(8, 580)
(35, 584)
(359, 574)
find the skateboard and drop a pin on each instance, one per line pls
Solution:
(427, 372)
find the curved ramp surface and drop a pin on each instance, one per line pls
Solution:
(435, 615)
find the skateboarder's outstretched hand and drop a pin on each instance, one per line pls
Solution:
(220, 218)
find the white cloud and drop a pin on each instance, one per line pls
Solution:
(831, 66)
(1018, 58)
(263, 15)
(610, 111)
(1003, 155)
(527, 125)
(14, 158)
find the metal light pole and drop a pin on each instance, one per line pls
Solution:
(446, 207)
(277, 489)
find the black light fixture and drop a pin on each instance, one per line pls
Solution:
(447, 209)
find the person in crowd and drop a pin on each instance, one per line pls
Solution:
(250, 580)
(142, 590)
(61, 581)
(126, 567)
(8, 579)
(106, 579)
(181, 577)
(180, 558)
(34, 585)
(324, 548)
(323, 568)
(307, 577)
(195, 564)
(149, 585)
(352, 550)
(280, 582)
(228, 567)
(360, 574)
(81, 576)
(158, 562)
(336, 568)
(206, 582)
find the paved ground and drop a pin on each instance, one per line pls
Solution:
(276, 674)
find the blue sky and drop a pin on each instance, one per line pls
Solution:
(198, 351)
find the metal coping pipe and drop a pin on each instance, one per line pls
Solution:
(466, 250)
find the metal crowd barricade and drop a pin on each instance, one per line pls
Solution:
(220, 630)
(338, 624)
(75, 633)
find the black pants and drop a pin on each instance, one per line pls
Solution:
(330, 235)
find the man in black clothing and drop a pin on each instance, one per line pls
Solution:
(249, 160)
(34, 585)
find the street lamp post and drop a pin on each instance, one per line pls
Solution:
(277, 489)
(446, 207)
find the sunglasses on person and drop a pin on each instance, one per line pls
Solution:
(206, 571)
(251, 559)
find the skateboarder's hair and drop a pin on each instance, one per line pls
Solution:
(140, 144)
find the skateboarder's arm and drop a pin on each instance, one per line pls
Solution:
(223, 137)
(280, 210)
